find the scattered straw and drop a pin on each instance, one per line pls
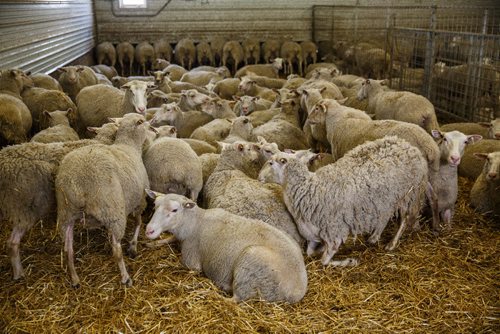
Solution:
(429, 284)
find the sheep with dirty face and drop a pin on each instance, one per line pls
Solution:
(442, 192)
(246, 105)
(357, 194)
(184, 121)
(484, 193)
(400, 106)
(233, 187)
(102, 185)
(173, 167)
(33, 166)
(244, 256)
(74, 78)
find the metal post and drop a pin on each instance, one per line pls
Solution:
(479, 69)
(429, 54)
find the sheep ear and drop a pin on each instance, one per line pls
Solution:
(151, 73)
(189, 205)
(342, 101)
(236, 98)
(481, 156)
(240, 147)
(173, 130)
(437, 134)
(46, 113)
(92, 129)
(289, 151)
(61, 69)
(473, 139)
(223, 145)
(69, 111)
(485, 125)
(153, 194)
(79, 69)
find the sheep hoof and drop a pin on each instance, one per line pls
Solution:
(128, 282)
(75, 286)
(132, 252)
(349, 262)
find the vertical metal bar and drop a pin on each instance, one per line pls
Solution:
(480, 65)
(429, 54)
(313, 23)
(472, 65)
(332, 16)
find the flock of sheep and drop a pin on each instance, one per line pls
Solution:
(246, 169)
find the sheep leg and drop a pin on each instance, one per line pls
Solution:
(330, 249)
(118, 255)
(158, 243)
(312, 247)
(447, 214)
(433, 201)
(121, 66)
(131, 67)
(13, 244)
(349, 262)
(391, 245)
(68, 248)
(132, 249)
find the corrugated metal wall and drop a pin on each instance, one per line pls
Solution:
(40, 36)
(202, 19)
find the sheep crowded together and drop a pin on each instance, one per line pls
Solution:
(254, 156)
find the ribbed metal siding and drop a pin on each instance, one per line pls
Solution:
(44, 35)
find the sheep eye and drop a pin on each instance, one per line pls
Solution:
(174, 210)
(267, 151)
(245, 121)
(283, 160)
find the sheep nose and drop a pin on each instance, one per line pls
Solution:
(141, 109)
(149, 232)
(492, 175)
(454, 159)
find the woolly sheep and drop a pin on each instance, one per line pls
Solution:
(489, 130)
(218, 108)
(59, 129)
(185, 53)
(39, 99)
(227, 88)
(217, 45)
(160, 64)
(200, 146)
(105, 53)
(248, 104)
(348, 80)
(272, 83)
(99, 102)
(443, 190)
(108, 71)
(309, 52)
(233, 187)
(373, 62)
(323, 73)
(166, 85)
(241, 130)
(232, 50)
(74, 78)
(33, 166)
(163, 50)
(291, 52)
(400, 106)
(357, 194)
(223, 71)
(249, 87)
(42, 80)
(213, 131)
(208, 163)
(270, 50)
(174, 71)
(173, 167)
(484, 193)
(266, 70)
(118, 173)
(14, 81)
(204, 54)
(15, 120)
(184, 122)
(251, 51)
(191, 99)
(144, 56)
(119, 81)
(244, 256)
(311, 67)
(102, 79)
(125, 54)
(200, 78)
(471, 167)
(351, 94)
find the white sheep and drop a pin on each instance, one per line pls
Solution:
(233, 186)
(251, 51)
(103, 184)
(213, 131)
(249, 87)
(200, 78)
(443, 190)
(217, 45)
(244, 256)
(401, 106)
(184, 121)
(490, 130)
(241, 130)
(173, 167)
(246, 105)
(357, 194)
(218, 108)
(232, 50)
(267, 70)
(42, 80)
(484, 193)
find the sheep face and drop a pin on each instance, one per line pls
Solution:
(267, 149)
(246, 85)
(71, 74)
(167, 113)
(365, 89)
(193, 98)
(278, 162)
(494, 129)
(278, 63)
(318, 114)
(247, 105)
(491, 169)
(452, 144)
(167, 131)
(169, 212)
(137, 92)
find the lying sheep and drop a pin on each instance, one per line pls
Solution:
(42, 80)
(484, 193)
(39, 99)
(200, 78)
(99, 102)
(184, 122)
(74, 78)
(233, 51)
(380, 179)
(399, 106)
(471, 167)
(291, 52)
(443, 190)
(144, 56)
(204, 54)
(163, 50)
(125, 54)
(233, 187)
(270, 50)
(15, 120)
(489, 130)
(244, 256)
(185, 53)
(104, 184)
(267, 70)
(227, 88)
(33, 166)
(108, 71)
(105, 53)
(58, 129)
(173, 167)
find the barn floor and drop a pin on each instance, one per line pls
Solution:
(445, 284)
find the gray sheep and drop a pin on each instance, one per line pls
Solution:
(173, 167)
(357, 194)
(104, 184)
(244, 256)
(484, 193)
(74, 78)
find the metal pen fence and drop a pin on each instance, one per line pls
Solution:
(449, 54)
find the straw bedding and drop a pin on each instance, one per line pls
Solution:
(443, 284)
